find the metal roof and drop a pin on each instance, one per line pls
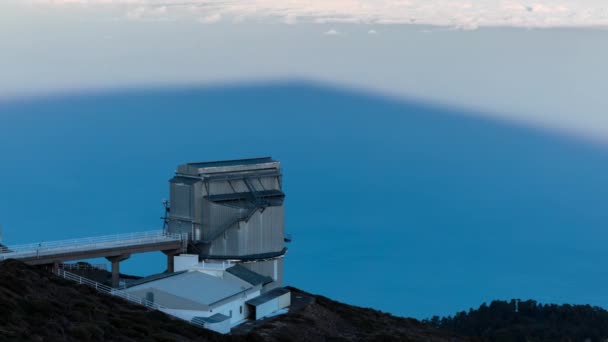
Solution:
(197, 287)
(152, 278)
(227, 167)
(184, 180)
(235, 196)
(234, 162)
(217, 318)
(248, 275)
(249, 257)
(268, 296)
(249, 199)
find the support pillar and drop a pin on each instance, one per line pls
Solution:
(170, 263)
(171, 260)
(55, 268)
(115, 273)
(115, 260)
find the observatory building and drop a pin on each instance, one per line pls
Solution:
(224, 237)
(232, 211)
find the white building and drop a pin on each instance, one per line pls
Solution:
(217, 295)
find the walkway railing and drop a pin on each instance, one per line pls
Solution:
(83, 267)
(87, 244)
(116, 293)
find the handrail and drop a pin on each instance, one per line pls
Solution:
(89, 243)
(107, 289)
(84, 267)
(118, 293)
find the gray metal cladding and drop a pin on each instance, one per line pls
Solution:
(179, 227)
(263, 233)
(228, 166)
(270, 183)
(259, 183)
(217, 218)
(267, 268)
(239, 186)
(232, 208)
(183, 192)
(184, 199)
(223, 187)
(181, 197)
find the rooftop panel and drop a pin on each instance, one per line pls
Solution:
(153, 277)
(268, 296)
(249, 276)
(197, 287)
(235, 162)
(217, 318)
(236, 196)
(184, 180)
(227, 167)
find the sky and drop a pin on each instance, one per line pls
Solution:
(538, 62)
(487, 117)
(467, 14)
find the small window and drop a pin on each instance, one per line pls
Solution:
(230, 313)
(150, 297)
(241, 309)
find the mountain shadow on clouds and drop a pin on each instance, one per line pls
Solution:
(404, 206)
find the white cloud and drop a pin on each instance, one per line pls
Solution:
(331, 32)
(147, 13)
(290, 19)
(372, 32)
(211, 19)
(466, 14)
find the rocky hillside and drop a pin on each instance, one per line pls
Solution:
(37, 306)
(328, 320)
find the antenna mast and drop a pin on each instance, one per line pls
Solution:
(165, 218)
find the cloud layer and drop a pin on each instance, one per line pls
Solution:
(455, 13)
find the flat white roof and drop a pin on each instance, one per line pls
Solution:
(197, 286)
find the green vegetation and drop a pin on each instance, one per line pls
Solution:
(528, 321)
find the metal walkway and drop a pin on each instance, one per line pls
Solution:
(94, 247)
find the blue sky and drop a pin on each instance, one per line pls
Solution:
(461, 143)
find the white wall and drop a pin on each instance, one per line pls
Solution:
(267, 308)
(285, 301)
(187, 315)
(221, 327)
(235, 306)
(184, 262)
(273, 305)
